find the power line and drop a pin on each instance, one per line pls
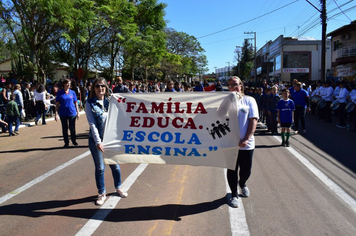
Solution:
(342, 11)
(249, 20)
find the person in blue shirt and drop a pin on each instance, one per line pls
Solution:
(198, 87)
(285, 108)
(67, 107)
(300, 98)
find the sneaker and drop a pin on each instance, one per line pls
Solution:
(121, 193)
(296, 132)
(287, 144)
(101, 199)
(245, 192)
(234, 202)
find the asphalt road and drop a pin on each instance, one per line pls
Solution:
(307, 189)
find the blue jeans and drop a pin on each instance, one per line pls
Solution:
(100, 169)
(71, 120)
(10, 120)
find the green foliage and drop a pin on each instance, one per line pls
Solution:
(98, 34)
(245, 63)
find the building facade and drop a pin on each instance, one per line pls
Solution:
(343, 44)
(286, 59)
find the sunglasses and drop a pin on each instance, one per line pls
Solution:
(100, 85)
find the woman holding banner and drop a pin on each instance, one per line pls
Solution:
(96, 110)
(247, 111)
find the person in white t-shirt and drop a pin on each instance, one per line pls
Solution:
(245, 107)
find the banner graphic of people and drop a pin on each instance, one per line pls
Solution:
(171, 128)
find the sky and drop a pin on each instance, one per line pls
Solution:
(220, 26)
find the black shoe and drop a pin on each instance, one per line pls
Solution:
(36, 122)
(44, 123)
(75, 143)
(66, 145)
(283, 144)
(287, 143)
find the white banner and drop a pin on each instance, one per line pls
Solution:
(171, 128)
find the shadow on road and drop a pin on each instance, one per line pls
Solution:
(163, 212)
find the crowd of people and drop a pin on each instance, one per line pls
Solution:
(328, 100)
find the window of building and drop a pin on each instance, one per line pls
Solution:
(296, 60)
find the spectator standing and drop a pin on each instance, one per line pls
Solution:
(96, 110)
(39, 97)
(27, 100)
(67, 108)
(120, 88)
(13, 115)
(170, 87)
(198, 87)
(218, 86)
(301, 101)
(285, 108)
(18, 98)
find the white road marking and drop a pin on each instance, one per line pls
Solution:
(42, 177)
(90, 227)
(351, 202)
(238, 221)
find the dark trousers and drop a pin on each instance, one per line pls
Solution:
(244, 161)
(328, 111)
(299, 115)
(65, 120)
(40, 108)
(342, 114)
(274, 122)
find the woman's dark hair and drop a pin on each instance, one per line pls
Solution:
(65, 81)
(41, 88)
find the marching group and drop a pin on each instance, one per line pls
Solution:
(270, 103)
(324, 99)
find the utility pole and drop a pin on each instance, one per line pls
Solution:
(254, 60)
(228, 69)
(323, 37)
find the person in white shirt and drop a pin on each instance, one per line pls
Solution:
(342, 100)
(352, 98)
(328, 97)
(246, 109)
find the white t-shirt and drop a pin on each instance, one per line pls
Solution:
(247, 108)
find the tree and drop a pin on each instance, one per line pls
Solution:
(35, 22)
(144, 51)
(244, 60)
(192, 58)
